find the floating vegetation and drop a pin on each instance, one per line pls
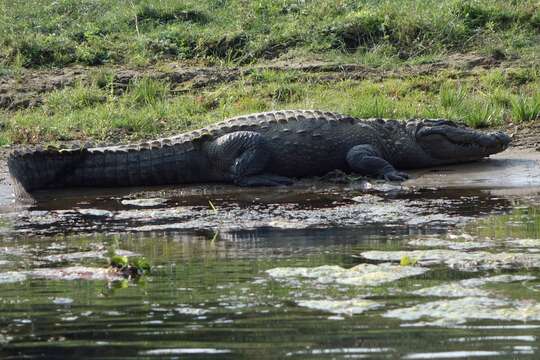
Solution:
(75, 273)
(454, 245)
(360, 275)
(461, 260)
(191, 311)
(451, 312)
(407, 261)
(135, 217)
(150, 202)
(81, 255)
(112, 273)
(12, 277)
(130, 267)
(471, 244)
(524, 243)
(347, 307)
(95, 212)
(469, 287)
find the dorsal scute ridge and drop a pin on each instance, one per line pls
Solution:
(261, 120)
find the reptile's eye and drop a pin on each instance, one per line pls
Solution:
(439, 123)
(444, 122)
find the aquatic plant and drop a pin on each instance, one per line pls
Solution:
(407, 261)
(130, 267)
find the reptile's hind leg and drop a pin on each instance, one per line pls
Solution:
(244, 155)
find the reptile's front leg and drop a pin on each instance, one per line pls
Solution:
(365, 160)
(244, 156)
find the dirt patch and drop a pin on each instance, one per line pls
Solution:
(524, 136)
(28, 88)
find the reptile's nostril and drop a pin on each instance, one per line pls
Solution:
(503, 138)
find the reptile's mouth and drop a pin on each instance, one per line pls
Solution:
(473, 142)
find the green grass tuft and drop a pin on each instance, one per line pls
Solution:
(147, 91)
(525, 109)
(452, 96)
(74, 98)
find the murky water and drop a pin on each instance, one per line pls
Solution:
(334, 271)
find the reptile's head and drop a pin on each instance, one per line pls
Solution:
(447, 142)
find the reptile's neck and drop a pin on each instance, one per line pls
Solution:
(398, 145)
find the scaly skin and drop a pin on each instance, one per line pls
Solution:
(260, 149)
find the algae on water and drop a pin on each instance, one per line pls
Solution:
(461, 260)
(458, 311)
(469, 287)
(345, 307)
(360, 275)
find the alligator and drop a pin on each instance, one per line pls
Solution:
(264, 149)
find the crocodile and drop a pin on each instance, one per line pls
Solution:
(264, 149)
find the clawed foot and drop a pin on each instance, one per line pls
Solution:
(395, 176)
(264, 180)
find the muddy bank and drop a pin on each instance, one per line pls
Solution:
(513, 170)
(437, 197)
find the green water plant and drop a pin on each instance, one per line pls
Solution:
(130, 267)
(407, 261)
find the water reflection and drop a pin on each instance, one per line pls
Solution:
(212, 296)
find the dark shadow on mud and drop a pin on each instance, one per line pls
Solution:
(222, 209)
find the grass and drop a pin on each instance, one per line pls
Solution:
(94, 32)
(148, 108)
(526, 109)
(387, 34)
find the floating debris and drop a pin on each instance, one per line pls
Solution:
(450, 312)
(524, 243)
(461, 260)
(360, 275)
(185, 351)
(95, 212)
(150, 214)
(75, 273)
(453, 354)
(12, 277)
(469, 287)
(454, 245)
(144, 202)
(191, 311)
(347, 307)
(81, 255)
(130, 267)
(356, 352)
(62, 301)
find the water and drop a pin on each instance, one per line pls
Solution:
(210, 294)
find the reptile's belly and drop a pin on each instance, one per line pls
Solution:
(302, 161)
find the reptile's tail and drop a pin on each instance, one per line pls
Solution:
(156, 163)
(43, 168)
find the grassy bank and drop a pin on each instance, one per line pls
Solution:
(94, 32)
(391, 34)
(149, 108)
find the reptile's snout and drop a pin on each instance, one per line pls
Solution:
(504, 139)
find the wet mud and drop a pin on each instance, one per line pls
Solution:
(433, 197)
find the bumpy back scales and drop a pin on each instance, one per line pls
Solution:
(299, 143)
(177, 159)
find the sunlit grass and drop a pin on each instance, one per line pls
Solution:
(147, 108)
(95, 32)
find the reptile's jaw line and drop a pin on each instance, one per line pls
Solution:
(445, 142)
